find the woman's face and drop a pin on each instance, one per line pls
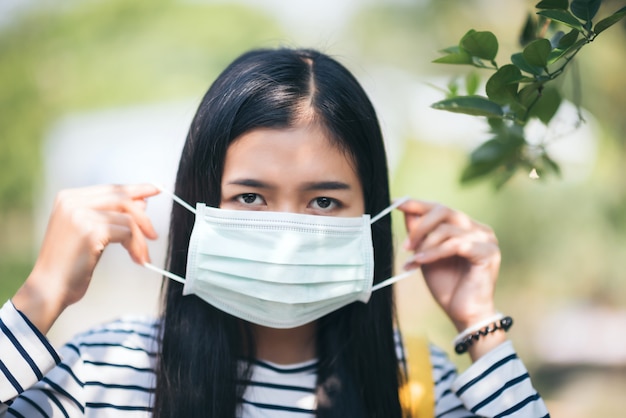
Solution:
(290, 170)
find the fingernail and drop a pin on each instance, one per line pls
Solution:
(419, 257)
(409, 263)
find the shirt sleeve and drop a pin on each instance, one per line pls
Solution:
(498, 384)
(36, 380)
(25, 354)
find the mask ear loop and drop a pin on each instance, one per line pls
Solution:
(165, 273)
(389, 208)
(176, 198)
(400, 276)
(393, 279)
(190, 208)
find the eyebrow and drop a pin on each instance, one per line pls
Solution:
(326, 185)
(252, 183)
(310, 186)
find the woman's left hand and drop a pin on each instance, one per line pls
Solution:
(459, 258)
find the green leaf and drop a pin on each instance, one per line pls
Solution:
(528, 94)
(505, 173)
(485, 159)
(492, 150)
(483, 45)
(455, 55)
(496, 124)
(451, 49)
(529, 32)
(553, 4)
(606, 23)
(453, 88)
(526, 80)
(519, 61)
(473, 171)
(478, 63)
(568, 39)
(470, 105)
(472, 80)
(546, 107)
(558, 53)
(502, 85)
(536, 53)
(492, 155)
(585, 9)
(564, 17)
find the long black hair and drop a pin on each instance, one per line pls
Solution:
(199, 371)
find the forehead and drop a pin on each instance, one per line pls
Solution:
(299, 153)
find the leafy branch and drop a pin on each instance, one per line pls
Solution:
(523, 89)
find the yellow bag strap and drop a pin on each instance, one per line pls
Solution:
(417, 395)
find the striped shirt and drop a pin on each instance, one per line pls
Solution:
(109, 372)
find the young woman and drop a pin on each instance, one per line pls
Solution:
(275, 314)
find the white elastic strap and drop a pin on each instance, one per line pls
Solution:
(477, 327)
(394, 205)
(400, 276)
(164, 272)
(393, 279)
(176, 198)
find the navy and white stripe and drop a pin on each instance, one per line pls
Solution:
(109, 372)
(500, 386)
(281, 391)
(24, 354)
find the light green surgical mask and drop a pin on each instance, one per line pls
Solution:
(278, 269)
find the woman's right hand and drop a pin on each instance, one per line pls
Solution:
(83, 222)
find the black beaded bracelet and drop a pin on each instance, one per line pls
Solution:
(503, 324)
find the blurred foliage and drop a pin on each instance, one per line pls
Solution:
(402, 34)
(100, 54)
(525, 89)
(92, 55)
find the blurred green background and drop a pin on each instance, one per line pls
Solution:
(563, 240)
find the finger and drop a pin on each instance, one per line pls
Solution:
(127, 199)
(137, 212)
(141, 190)
(416, 207)
(116, 233)
(445, 232)
(135, 246)
(141, 204)
(420, 227)
(132, 191)
(475, 252)
(423, 207)
(437, 236)
(123, 229)
(421, 217)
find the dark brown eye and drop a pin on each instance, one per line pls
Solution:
(249, 198)
(323, 202)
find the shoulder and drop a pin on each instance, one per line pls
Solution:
(130, 337)
(145, 326)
